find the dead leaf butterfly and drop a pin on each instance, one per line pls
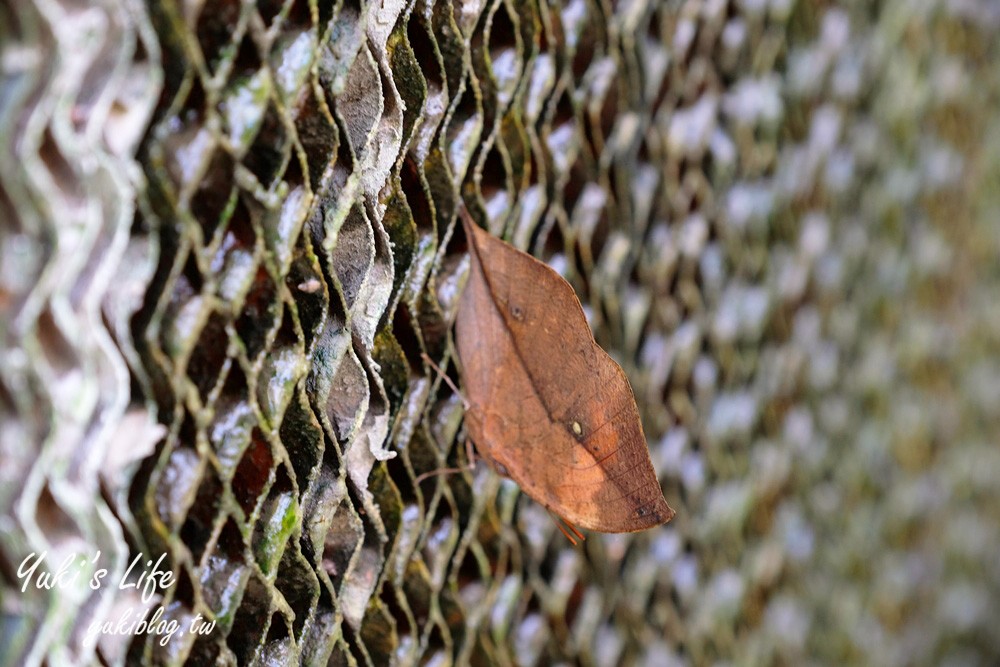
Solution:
(547, 406)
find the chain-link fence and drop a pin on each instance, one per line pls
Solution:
(229, 234)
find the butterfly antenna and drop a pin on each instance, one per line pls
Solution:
(579, 536)
(566, 533)
(575, 531)
(444, 376)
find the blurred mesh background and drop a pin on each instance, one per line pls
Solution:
(228, 233)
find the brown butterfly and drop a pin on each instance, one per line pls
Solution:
(547, 406)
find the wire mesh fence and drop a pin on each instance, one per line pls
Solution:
(230, 234)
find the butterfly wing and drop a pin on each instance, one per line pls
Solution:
(550, 405)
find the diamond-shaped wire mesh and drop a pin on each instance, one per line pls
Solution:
(780, 219)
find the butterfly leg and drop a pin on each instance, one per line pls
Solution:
(444, 376)
(470, 454)
(470, 457)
